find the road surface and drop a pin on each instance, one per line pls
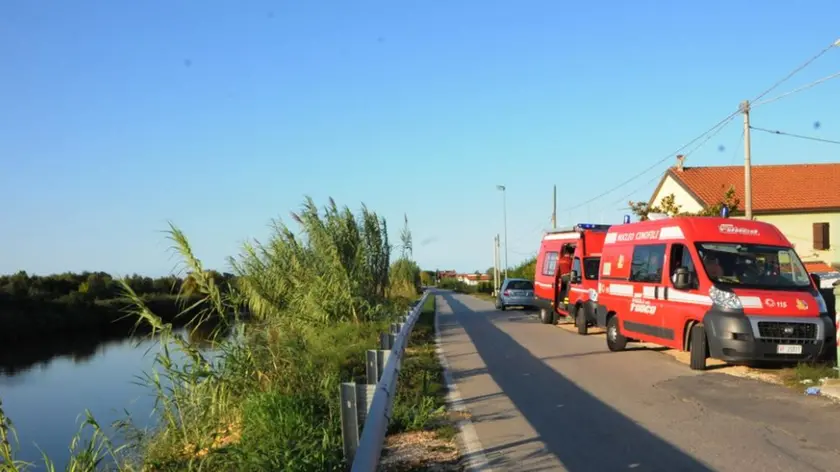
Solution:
(542, 398)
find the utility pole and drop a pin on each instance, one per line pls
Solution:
(745, 109)
(504, 216)
(554, 210)
(495, 264)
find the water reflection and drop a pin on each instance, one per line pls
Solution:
(19, 358)
(45, 386)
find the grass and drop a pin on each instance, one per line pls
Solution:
(421, 433)
(807, 375)
(420, 403)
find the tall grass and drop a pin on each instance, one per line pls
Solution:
(268, 400)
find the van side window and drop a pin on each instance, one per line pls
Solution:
(681, 257)
(591, 265)
(647, 263)
(576, 266)
(550, 263)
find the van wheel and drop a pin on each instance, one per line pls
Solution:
(502, 307)
(615, 340)
(580, 321)
(698, 347)
(546, 316)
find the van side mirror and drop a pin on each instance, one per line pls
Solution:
(682, 279)
(574, 277)
(817, 280)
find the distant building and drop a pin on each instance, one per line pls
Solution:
(446, 274)
(474, 279)
(802, 200)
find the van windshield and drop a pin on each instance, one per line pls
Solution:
(753, 266)
(590, 267)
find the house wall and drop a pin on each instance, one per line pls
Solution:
(798, 228)
(681, 197)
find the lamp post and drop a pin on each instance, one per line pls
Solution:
(504, 217)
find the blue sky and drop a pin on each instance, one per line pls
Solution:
(118, 116)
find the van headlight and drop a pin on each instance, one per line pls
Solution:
(593, 294)
(725, 299)
(821, 304)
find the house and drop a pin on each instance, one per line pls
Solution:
(474, 279)
(802, 200)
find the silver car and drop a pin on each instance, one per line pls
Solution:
(516, 292)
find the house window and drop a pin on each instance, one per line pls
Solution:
(647, 263)
(821, 237)
(549, 264)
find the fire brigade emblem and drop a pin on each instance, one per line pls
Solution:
(800, 304)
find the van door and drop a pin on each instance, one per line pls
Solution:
(644, 319)
(680, 306)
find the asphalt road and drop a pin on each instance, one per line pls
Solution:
(542, 398)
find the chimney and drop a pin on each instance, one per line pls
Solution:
(680, 161)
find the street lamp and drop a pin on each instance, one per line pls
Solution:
(504, 216)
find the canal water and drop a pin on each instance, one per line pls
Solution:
(46, 387)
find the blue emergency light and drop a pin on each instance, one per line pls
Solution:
(592, 226)
(626, 219)
(724, 211)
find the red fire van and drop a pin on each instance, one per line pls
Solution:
(567, 273)
(729, 289)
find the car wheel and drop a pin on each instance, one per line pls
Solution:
(615, 340)
(698, 348)
(580, 321)
(546, 316)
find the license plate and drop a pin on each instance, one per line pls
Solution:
(789, 349)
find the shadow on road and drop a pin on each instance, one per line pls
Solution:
(586, 434)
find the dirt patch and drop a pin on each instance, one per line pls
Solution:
(770, 376)
(420, 450)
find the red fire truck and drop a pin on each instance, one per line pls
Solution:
(729, 289)
(567, 273)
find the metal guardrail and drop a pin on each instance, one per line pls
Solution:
(371, 404)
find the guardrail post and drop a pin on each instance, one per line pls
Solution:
(382, 359)
(385, 341)
(349, 420)
(372, 368)
(364, 397)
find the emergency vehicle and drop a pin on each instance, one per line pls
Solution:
(567, 296)
(729, 289)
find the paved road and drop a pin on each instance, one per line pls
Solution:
(545, 399)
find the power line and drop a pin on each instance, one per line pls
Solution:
(795, 71)
(782, 133)
(714, 128)
(797, 90)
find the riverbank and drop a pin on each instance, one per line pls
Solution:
(23, 320)
(317, 299)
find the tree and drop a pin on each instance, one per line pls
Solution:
(669, 206)
(427, 277)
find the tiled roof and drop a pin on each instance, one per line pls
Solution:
(774, 187)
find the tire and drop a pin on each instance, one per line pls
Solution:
(546, 316)
(580, 321)
(615, 340)
(698, 347)
(503, 307)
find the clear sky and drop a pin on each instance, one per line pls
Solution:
(116, 116)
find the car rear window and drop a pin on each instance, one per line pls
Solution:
(520, 285)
